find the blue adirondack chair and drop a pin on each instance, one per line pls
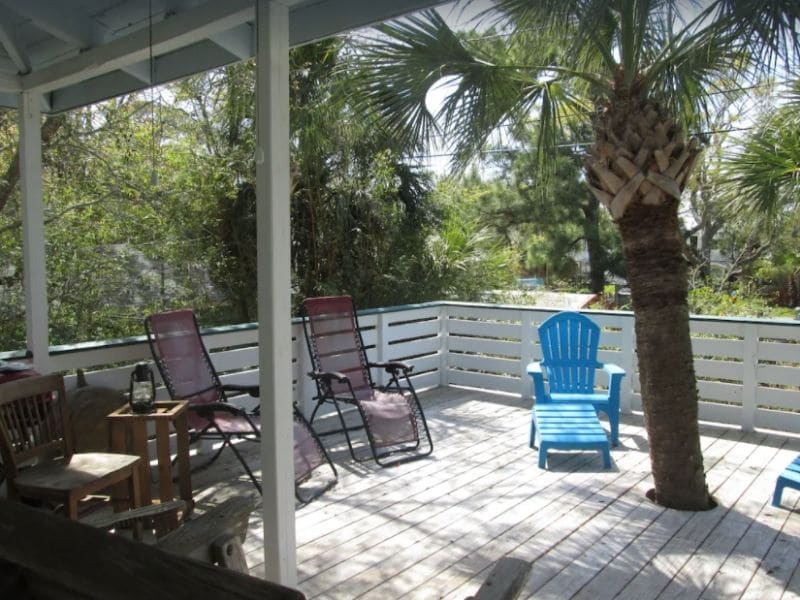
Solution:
(569, 347)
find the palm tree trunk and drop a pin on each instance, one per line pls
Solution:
(638, 168)
(657, 274)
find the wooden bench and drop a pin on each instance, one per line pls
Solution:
(45, 556)
(568, 426)
(790, 477)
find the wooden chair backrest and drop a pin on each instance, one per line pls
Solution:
(34, 424)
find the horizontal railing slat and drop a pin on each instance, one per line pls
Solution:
(747, 368)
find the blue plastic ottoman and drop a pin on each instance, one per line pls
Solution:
(566, 426)
(789, 478)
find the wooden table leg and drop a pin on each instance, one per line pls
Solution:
(139, 443)
(164, 474)
(184, 472)
(118, 443)
(164, 461)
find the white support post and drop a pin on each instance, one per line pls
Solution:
(274, 284)
(749, 376)
(33, 246)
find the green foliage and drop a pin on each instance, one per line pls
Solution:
(150, 205)
(464, 261)
(764, 173)
(741, 301)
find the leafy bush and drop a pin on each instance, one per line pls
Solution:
(739, 302)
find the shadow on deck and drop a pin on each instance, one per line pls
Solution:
(434, 527)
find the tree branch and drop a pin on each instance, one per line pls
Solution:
(11, 177)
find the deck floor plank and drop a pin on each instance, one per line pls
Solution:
(593, 546)
(726, 483)
(735, 573)
(520, 535)
(544, 529)
(433, 528)
(697, 573)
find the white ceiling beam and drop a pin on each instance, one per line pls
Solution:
(239, 41)
(140, 71)
(172, 33)
(323, 19)
(15, 53)
(63, 20)
(11, 83)
(184, 43)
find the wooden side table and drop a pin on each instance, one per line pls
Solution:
(128, 434)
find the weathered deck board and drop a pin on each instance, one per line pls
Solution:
(640, 539)
(433, 528)
(571, 564)
(523, 538)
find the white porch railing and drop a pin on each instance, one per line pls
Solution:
(748, 370)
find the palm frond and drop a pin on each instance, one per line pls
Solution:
(400, 67)
(769, 26)
(765, 173)
(688, 67)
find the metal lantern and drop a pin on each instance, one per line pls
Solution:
(143, 389)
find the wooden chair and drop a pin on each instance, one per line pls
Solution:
(570, 342)
(36, 447)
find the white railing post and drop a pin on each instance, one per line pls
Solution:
(381, 345)
(444, 346)
(628, 351)
(526, 353)
(749, 376)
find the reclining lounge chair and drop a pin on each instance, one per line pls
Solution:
(391, 415)
(189, 374)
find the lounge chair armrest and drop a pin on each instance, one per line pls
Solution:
(615, 374)
(328, 376)
(392, 366)
(248, 388)
(212, 407)
(536, 372)
(534, 368)
(613, 370)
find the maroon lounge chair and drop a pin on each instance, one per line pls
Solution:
(392, 416)
(188, 374)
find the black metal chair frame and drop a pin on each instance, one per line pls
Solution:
(399, 371)
(212, 431)
(303, 499)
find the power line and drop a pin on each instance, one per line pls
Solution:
(524, 148)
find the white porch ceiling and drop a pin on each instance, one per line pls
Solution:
(76, 52)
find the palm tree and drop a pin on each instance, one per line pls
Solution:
(641, 74)
(764, 173)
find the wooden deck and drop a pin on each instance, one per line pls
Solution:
(434, 527)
